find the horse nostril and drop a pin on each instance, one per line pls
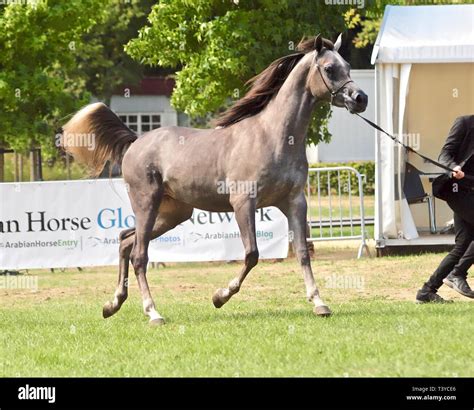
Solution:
(360, 97)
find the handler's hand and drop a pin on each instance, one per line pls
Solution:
(458, 174)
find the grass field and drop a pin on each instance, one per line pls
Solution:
(266, 330)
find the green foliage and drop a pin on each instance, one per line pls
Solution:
(54, 55)
(105, 64)
(218, 45)
(39, 78)
(368, 19)
(366, 168)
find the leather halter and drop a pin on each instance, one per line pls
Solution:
(333, 93)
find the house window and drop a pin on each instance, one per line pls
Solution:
(150, 122)
(141, 123)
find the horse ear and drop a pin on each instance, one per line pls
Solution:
(338, 43)
(318, 43)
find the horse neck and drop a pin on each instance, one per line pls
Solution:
(288, 114)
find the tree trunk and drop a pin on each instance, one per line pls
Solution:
(20, 167)
(40, 165)
(33, 167)
(16, 173)
(68, 166)
(2, 165)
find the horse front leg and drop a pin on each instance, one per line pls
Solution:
(244, 208)
(296, 212)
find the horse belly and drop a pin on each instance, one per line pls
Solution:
(204, 197)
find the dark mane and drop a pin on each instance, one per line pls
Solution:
(264, 86)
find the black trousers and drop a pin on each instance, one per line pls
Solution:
(461, 258)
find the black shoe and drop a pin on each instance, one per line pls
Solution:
(428, 296)
(459, 284)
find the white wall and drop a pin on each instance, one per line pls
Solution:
(352, 138)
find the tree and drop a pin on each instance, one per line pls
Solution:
(218, 45)
(106, 66)
(39, 79)
(54, 56)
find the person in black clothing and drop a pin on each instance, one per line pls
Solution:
(457, 154)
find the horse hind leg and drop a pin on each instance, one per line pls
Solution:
(169, 214)
(245, 216)
(127, 238)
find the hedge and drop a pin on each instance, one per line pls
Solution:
(366, 168)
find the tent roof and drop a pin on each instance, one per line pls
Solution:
(426, 34)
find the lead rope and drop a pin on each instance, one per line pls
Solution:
(377, 127)
(410, 149)
(407, 147)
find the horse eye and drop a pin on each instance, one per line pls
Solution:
(328, 69)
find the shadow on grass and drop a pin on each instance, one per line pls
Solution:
(244, 312)
(359, 310)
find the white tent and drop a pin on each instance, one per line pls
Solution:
(424, 74)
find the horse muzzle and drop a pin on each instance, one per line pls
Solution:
(356, 102)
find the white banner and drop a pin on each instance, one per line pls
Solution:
(77, 223)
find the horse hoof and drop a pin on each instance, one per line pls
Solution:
(157, 322)
(107, 310)
(217, 299)
(322, 311)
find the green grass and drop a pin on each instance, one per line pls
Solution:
(343, 208)
(346, 231)
(322, 210)
(268, 329)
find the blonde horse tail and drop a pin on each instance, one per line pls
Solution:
(95, 135)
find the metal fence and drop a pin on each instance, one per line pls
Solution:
(336, 206)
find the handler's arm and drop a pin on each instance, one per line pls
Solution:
(451, 148)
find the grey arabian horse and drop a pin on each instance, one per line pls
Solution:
(260, 139)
